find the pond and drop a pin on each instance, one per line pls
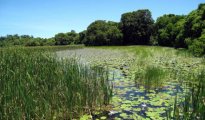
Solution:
(132, 100)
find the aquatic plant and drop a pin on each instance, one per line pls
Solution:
(130, 65)
(193, 105)
(36, 85)
(151, 77)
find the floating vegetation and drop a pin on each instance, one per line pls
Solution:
(165, 69)
(147, 82)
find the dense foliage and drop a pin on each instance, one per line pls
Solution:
(24, 40)
(194, 28)
(167, 30)
(66, 38)
(182, 31)
(135, 28)
(103, 33)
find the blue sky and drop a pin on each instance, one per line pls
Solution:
(45, 18)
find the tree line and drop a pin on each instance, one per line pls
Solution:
(134, 28)
(25, 40)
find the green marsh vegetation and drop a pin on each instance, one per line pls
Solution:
(181, 68)
(153, 77)
(134, 82)
(149, 82)
(192, 106)
(158, 84)
(36, 85)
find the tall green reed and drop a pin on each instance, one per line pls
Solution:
(36, 85)
(151, 77)
(192, 106)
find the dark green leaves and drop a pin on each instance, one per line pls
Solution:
(101, 32)
(137, 27)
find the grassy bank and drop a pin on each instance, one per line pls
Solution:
(36, 85)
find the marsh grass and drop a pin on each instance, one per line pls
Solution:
(175, 69)
(154, 77)
(151, 77)
(36, 85)
(155, 65)
(192, 107)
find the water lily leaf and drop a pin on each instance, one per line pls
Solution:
(103, 117)
(86, 117)
(123, 115)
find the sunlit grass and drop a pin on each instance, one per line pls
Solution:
(36, 85)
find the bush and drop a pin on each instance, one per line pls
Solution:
(197, 47)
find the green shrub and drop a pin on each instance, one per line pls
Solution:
(197, 47)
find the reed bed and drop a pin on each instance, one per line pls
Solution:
(36, 85)
(192, 107)
(151, 78)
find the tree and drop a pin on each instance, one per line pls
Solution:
(72, 37)
(61, 39)
(194, 31)
(197, 46)
(101, 32)
(2, 41)
(66, 38)
(25, 40)
(194, 23)
(96, 33)
(114, 34)
(180, 38)
(50, 41)
(168, 30)
(137, 27)
(82, 37)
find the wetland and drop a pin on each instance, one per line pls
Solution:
(147, 82)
